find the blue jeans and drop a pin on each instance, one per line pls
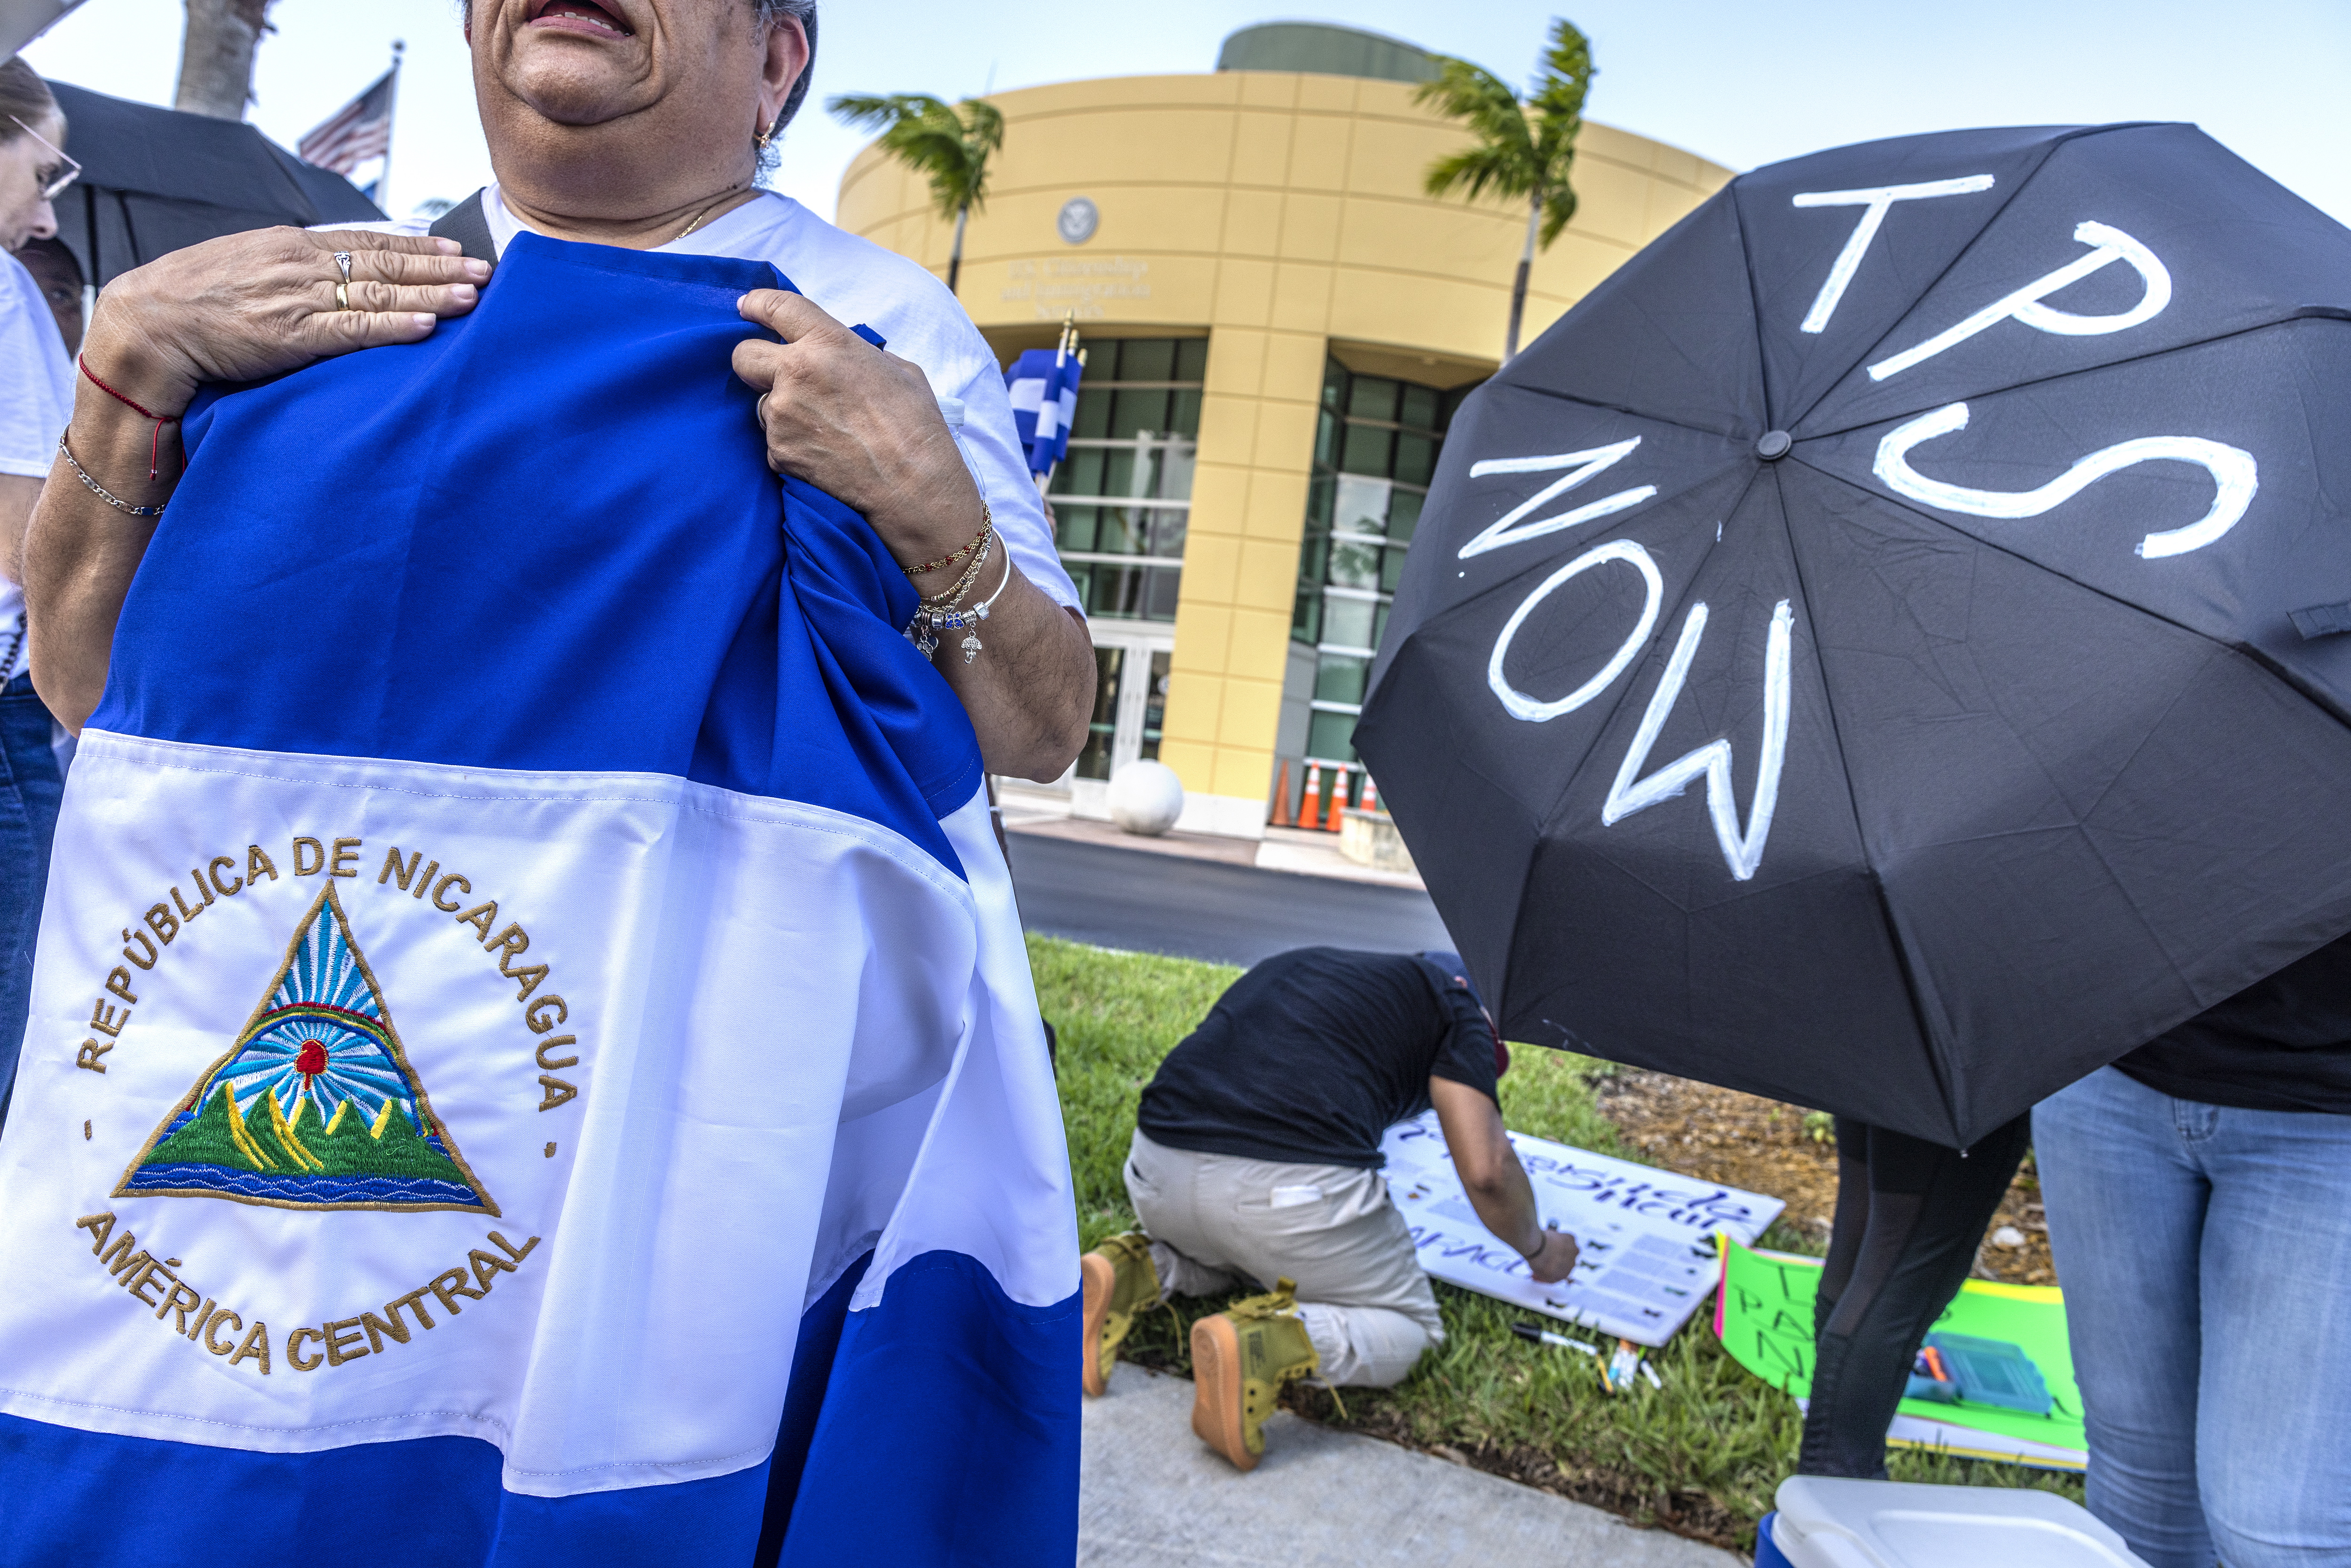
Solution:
(30, 787)
(2205, 1258)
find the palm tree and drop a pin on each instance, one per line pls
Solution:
(216, 56)
(1524, 149)
(950, 145)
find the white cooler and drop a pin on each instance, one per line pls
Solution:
(1825, 1522)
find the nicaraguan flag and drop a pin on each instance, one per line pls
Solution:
(532, 1059)
(1044, 405)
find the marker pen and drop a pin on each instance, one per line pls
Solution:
(1539, 1335)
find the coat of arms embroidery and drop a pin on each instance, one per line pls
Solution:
(316, 1105)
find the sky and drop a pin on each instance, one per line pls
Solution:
(1736, 81)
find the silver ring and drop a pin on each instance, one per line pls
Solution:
(344, 262)
(759, 410)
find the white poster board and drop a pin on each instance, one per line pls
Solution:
(1647, 1261)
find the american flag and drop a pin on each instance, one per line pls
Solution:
(354, 133)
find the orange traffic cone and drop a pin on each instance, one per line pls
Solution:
(1309, 808)
(1333, 817)
(1281, 817)
(1371, 801)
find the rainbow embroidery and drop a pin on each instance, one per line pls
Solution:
(315, 1105)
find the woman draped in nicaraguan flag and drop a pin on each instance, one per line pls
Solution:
(531, 1058)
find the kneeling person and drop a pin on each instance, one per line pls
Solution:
(1257, 1158)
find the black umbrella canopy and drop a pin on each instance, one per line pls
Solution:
(22, 21)
(1875, 650)
(154, 180)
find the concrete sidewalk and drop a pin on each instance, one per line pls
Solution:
(1152, 1493)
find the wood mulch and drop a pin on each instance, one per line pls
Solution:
(1738, 1140)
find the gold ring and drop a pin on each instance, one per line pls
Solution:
(342, 295)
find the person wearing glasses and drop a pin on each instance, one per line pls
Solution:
(36, 398)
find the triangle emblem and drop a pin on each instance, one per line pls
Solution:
(314, 1105)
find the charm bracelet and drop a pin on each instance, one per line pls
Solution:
(924, 629)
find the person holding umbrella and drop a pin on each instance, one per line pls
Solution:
(1889, 649)
(2197, 1191)
(35, 399)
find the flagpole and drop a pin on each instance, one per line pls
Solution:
(391, 120)
(1061, 357)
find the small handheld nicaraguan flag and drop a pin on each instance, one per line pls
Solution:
(532, 1057)
(1044, 405)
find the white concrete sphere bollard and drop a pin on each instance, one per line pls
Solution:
(1146, 798)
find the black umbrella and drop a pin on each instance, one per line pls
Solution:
(1878, 649)
(154, 180)
(22, 21)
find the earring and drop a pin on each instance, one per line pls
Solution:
(761, 140)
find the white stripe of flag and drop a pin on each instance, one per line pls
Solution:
(354, 133)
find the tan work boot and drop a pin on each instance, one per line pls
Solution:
(1119, 1282)
(1241, 1358)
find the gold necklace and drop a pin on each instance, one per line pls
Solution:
(697, 220)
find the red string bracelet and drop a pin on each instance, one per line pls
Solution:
(156, 448)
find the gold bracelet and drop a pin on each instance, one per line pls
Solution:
(986, 522)
(928, 623)
(100, 491)
(971, 575)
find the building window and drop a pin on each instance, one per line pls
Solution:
(1122, 505)
(1375, 450)
(1124, 497)
(1112, 667)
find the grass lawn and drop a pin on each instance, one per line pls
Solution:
(1700, 1458)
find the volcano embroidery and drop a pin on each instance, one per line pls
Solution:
(315, 1105)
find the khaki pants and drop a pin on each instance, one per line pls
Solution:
(1216, 1220)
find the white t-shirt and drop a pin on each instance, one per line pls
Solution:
(36, 400)
(857, 282)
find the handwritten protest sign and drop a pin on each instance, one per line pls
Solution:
(1764, 1318)
(1649, 1256)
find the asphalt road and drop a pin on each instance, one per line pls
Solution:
(1207, 909)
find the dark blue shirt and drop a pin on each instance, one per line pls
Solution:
(1316, 1053)
(2280, 1044)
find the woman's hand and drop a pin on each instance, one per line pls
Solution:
(251, 305)
(231, 310)
(861, 425)
(864, 427)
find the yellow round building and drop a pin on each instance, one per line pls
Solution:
(1279, 324)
